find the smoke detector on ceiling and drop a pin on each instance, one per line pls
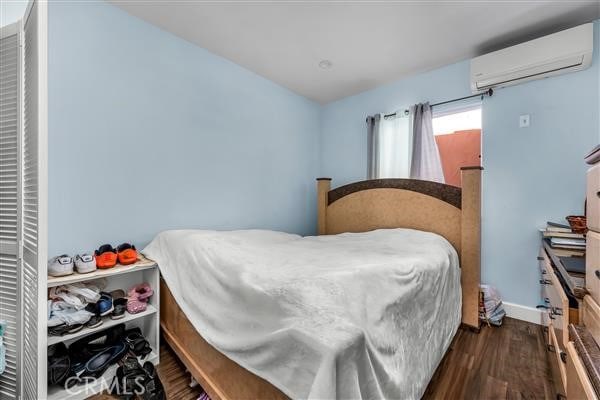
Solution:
(325, 64)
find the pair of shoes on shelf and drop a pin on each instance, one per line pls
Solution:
(76, 364)
(65, 265)
(134, 380)
(137, 298)
(107, 256)
(113, 304)
(91, 355)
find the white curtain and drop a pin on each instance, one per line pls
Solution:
(426, 163)
(390, 147)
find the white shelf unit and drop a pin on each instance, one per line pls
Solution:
(119, 277)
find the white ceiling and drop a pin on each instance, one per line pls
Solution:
(369, 42)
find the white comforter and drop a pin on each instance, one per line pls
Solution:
(351, 316)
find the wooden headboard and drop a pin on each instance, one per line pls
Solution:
(449, 211)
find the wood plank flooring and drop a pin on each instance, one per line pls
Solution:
(510, 362)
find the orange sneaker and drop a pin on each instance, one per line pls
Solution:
(127, 254)
(106, 257)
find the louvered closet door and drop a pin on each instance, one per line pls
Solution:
(34, 220)
(10, 114)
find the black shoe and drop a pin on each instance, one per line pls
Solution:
(137, 342)
(129, 380)
(154, 389)
(120, 306)
(59, 363)
(99, 363)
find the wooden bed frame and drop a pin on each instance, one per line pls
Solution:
(451, 212)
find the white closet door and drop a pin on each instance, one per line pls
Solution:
(34, 180)
(10, 117)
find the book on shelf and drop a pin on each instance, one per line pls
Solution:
(574, 265)
(567, 241)
(569, 235)
(556, 227)
(569, 252)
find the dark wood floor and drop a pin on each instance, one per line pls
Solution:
(510, 362)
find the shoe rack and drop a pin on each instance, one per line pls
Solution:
(118, 277)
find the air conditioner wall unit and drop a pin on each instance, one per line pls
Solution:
(566, 51)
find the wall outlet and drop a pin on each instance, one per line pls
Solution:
(524, 121)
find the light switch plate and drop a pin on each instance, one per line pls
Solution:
(524, 121)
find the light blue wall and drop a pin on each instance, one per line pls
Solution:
(148, 132)
(531, 175)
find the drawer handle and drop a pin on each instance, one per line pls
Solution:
(597, 273)
(546, 300)
(544, 272)
(540, 258)
(547, 282)
(557, 311)
(563, 357)
(545, 307)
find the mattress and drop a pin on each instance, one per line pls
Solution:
(350, 316)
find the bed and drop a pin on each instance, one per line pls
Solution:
(316, 352)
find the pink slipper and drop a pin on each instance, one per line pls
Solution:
(137, 298)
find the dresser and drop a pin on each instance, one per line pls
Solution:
(582, 378)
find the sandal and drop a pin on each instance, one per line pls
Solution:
(126, 383)
(137, 342)
(154, 389)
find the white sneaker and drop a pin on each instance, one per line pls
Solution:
(85, 263)
(60, 266)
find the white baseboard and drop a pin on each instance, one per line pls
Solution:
(524, 313)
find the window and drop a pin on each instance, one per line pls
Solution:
(458, 137)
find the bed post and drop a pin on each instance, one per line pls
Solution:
(470, 254)
(323, 187)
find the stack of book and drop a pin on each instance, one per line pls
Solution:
(562, 237)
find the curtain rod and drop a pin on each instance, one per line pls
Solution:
(488, 93)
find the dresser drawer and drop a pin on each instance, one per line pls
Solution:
(555, 300)
(593, 198)
(559, 309)
(559, 355)
(579, 386)
(591, 316)
(592, 265)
